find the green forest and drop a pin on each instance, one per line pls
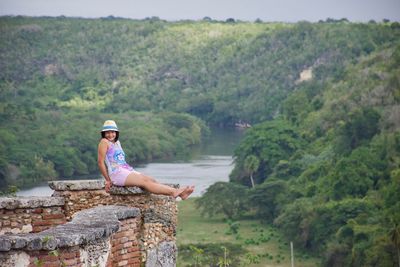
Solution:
(321, 162)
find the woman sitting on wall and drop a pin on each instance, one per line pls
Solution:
(112, 165)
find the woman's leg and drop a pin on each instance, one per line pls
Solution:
(151, 185)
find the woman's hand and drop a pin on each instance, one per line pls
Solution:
(107, 186)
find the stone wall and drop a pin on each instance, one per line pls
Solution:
(146, 237)
(159, 213)
(27, 215)
(92, 238)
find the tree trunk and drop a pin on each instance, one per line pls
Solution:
(252, 180)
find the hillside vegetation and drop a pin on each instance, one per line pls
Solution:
(327, 168)
(324, 152)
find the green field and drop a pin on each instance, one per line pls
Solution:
(262, 244)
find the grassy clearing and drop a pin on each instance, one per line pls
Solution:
(264, 245)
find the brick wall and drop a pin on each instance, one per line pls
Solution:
(101, 236)
(77, 226)
(39, 214)
(159, 213)
(125, 247)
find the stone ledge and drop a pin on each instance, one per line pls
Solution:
(76, 185)
(86, 226)
(30, 202)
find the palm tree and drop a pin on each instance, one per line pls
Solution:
(251, 165)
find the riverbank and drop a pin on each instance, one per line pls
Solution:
(258, 244)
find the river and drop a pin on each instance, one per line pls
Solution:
(209, 163)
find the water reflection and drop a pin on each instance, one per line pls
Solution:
(202, 172)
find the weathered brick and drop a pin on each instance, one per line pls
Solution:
(58, 221)
(69, 262)
(37, 211)
(40, 223)
(53, 216)
(36, 216)
(118, 247)
(133, 249)
(17, 211)
(126, 256)
(134, 262)
(48, 258)
(118, 235)
(128, 244)
(123, 239)
(134, 254)
(14, 224)
(47, 210)
(69, 255)
(38, 229)
(123, 263)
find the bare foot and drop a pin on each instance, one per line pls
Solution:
(186, 193)
(179, 191)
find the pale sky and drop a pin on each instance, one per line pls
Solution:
(247, 10)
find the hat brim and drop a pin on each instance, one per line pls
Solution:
(110, 129)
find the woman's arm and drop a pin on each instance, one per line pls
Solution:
(101, 156)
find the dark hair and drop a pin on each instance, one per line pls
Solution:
(103, 135)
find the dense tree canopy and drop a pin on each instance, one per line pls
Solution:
(269, 142)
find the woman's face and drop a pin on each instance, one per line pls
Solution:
(110, 135)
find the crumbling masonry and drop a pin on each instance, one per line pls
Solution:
(82, 225)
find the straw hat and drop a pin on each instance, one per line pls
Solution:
(110, 125)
